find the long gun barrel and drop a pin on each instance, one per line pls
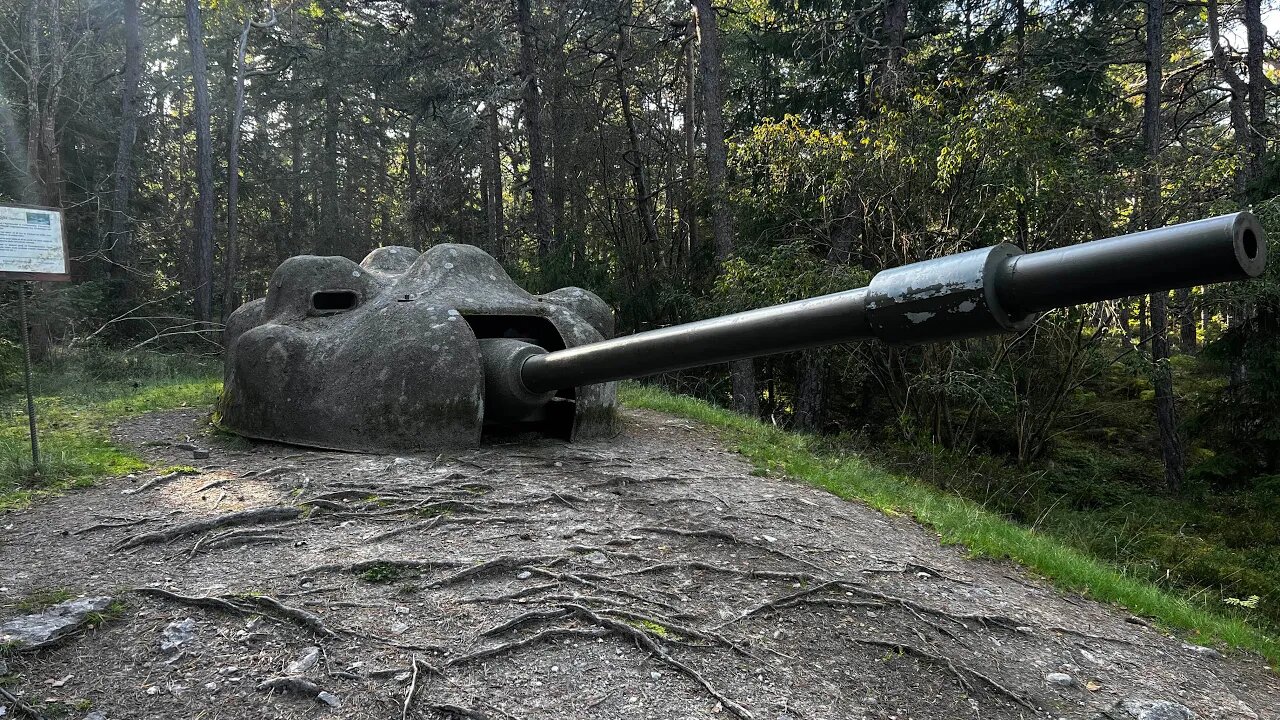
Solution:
(420, 351)
(975, 293)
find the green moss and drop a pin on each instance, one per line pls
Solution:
(382, 573)
(961, 521)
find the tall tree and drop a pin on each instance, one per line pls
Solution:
(202, 247)
(120, 246)
(742, 372)
(1259, 85)
(531, 98)
(635, 154)
(1166, 411)
(231, 253)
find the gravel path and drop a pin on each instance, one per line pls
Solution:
(651, 576)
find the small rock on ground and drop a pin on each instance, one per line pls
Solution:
(176, 634)
(1144, 709)
(28, 632)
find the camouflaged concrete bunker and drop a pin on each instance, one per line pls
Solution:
(409, 352)
(386, 355)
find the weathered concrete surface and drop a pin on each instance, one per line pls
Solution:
(383, 355)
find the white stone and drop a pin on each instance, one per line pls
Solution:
(1060, 679)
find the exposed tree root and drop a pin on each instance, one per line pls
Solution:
(413, 684)
(269, 472)
(20, 706)
(215, 602)
(958, 670)
(566, 499)
(803, 596)
(623, 481)
(407, 528)
(158, 481)
(247, 605)
(235, 537)
(457, 711)
(110, 526)
(346, 511)
(502, 562)
(517, 621)
(682, 629)
(714, 534)
(708, 567)
(587, 581)
(215, 484)
(647, 642)
(777, 603)
(361, 566)
(297, 615)
(293, 684)
(243, 517)
(535, 639)
(1091, 636)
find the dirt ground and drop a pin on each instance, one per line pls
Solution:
(650, 576)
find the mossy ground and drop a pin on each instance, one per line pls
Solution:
(76, 403)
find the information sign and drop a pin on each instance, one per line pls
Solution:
(32, 244)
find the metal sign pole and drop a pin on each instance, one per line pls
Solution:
(26, 368)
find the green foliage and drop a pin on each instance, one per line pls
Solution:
(382, 573)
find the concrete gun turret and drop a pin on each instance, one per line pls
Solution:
(420, 352)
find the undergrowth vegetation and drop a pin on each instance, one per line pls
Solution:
(1060, 547)
(79, 394)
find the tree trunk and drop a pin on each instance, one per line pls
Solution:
(33, 190)
(202, 248)
(1239, 96)
(120, 247)
(1166, 411)
(811, 391)
(52, 160)
(297, 197)
(893, 29)
(845, 228)
(230, 258)
(742, 372)
(1186, 320)
(532, 102)
(413, 182)
(1259, 124)
(690, 214)
(330, 230)
(635, 157)
(493, 161)
(557, 183)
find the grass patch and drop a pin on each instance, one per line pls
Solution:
(382, 573)
(959, 521)
(76, 408)
(44, 598)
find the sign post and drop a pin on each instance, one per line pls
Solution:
(33, 246)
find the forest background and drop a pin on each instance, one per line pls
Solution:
(685, 161)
